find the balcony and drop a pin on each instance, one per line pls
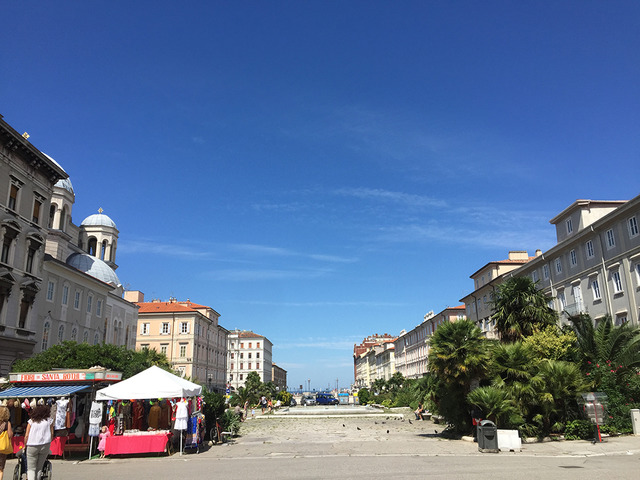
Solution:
(573, 309)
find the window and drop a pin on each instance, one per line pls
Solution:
(164, 348)
(611, 239)
(569, 226)
(85, 336)
(6, 248)
(60, 333)
(562, 300)
(182, 370)
(573, 257)
(257, 354)
(146, 327)
(534, 276)
(241, 345)
(241, 376)
(65, 295)
(249, 344)
(249, 354)
(164, 328)
(595, 288)
(545, 271)
(13, 197)
(258, 345)
(99, 308)
(50, 290)
(558, 266)
(249, 367)
(617, 282)
(257, 365)
(184, 327)
(74, 334)
(89, 303)
(96, 338)
(231, 377)
(232, 365)
(31, 255)
(183, 350)
(45, 335)
(638, 273)
(621, 319)
(241, 366)
(241, 355)
(589, 249)
(35, 217)
(232, 355)
(76, 301)
(632, 223)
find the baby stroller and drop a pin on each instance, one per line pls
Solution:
(20, 472)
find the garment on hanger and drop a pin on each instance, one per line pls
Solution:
(61, 414)
(182, 415)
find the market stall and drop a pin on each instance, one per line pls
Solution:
(143, 410)
(69, 394)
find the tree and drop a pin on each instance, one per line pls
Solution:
(378, 385)
(495, 403)
(552, 343)
(253, 384)
(458, 355)
(82, 355)
(395, 382)
(520, 309)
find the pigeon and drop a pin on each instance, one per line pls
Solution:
(436, 431)
(387, 431)
(343, 425)
(375, 423)
(410, 422)
(358, 428)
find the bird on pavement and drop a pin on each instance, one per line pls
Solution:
(358, 428)
(387, 431)
(410, 422)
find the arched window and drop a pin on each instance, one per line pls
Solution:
(116, 333)
(85, 336)
(63, 218)
(61, 334)
(104, 335)
(112, 255)
(103, 250)
(92, 246)
(45, 335)
(96, 338)
(74, 334)
(126, 336)
(52, 212)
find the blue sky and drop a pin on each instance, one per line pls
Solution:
(321, 171)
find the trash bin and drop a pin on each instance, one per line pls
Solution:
(487, 437)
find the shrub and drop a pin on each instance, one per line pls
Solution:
(579, 430)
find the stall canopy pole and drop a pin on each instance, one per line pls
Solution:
(90, 446)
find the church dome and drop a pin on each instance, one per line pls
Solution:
(66, 184)
(98, 220)
(93, 266)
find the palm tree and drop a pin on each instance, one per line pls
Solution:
(558, 384)
(520, 308)
(607, 343)
(495, 403)
(378, 385)
(458, 353)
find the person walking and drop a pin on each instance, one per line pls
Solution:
(37, 439)
(5, 426)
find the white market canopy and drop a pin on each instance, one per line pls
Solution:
(153, 382)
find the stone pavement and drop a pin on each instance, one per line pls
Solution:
(384, 434)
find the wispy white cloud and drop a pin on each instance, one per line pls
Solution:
(265, 250)
(320, 343)
(363, 304)
(150, 247)
(238, 275)
(401, 198)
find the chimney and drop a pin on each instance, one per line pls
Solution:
(538, 252)
(518, 255)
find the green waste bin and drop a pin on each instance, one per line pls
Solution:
(487, 437)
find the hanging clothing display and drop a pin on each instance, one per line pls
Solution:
(95, 418)
(61, 414)
(182, 415)
(154, 416)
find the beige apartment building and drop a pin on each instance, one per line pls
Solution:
(595, 266)
(412, 347)
(188, 334)
(248, 352)
(478, 305)
(372, 359)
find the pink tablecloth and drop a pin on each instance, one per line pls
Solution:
(57, 445)
(123, 444)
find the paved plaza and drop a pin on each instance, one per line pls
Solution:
(316, 445)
